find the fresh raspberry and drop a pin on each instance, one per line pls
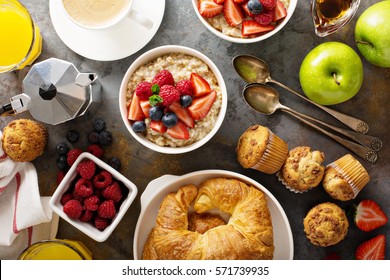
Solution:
(107, 209)
(164, 77)
(102, 179)
(113, 192)
(86, 169)
(86, 216)
(268, 4)
(83, 188)
(96, 150)
(65, 198)
(60, 176)
(265, 17)
(92, 202)
(72, 155)
(101, 223)
(169, 94)
(185, 87)
(73, 209)
(144, 90)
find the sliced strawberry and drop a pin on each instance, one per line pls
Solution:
(135, 110)
(219, 1)
(373, 249)
(201, 106)
(145, 106)
(233, 12)
(158, 126)
(244, 6)
(200, 85)
(179, 131)
(209, 8)
(280, 11)
(369, 216)
(251, 27)
(182, 114)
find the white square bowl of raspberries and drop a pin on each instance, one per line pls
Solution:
(93, 197)
(244, 21)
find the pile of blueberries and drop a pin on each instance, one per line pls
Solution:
(99, 136)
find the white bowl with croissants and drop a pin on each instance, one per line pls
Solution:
(236, 216)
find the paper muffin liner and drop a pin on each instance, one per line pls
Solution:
(274, 155)
(352, 171)
(281, 179)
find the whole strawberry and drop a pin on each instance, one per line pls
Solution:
(169, 94)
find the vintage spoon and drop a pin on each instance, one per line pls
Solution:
(254, 70)
(265, 100)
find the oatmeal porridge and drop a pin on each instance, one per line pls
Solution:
(247, 25)
(182, 67)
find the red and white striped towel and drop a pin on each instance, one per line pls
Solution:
(21, 207)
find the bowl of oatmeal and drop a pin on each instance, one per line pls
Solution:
(239, 21)
(173, 99)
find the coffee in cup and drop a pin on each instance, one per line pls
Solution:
(99, 14)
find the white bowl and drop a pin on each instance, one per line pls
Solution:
(147, 57)
(157, 189)
(87, 228)
(290, 11)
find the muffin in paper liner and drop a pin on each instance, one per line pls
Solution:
(345, 178)
(302, 169)
(260, 149)
(325, 224)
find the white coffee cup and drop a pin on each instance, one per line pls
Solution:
(102, 14)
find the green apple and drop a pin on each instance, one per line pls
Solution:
(331, 73)
(372, 34)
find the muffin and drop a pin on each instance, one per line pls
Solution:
(260, 149)
(345, 178)
(325, 224)
(302, 169)
(24, 140)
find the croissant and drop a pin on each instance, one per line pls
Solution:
(247, 235)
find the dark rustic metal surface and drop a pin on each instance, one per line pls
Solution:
(284, 53)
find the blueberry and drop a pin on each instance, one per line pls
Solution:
(61, 163)
(255, 7)
(105, 138)
(185, 101)
(169, 119)
(93, 137)
(114, 163)
(156, 113)
(62, 148)
(72, 136)
(139, 126)
(99, 125)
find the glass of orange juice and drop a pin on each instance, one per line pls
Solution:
(57, 249)
(20, 39)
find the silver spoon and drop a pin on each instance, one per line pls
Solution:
(265, 100)
(254, 70)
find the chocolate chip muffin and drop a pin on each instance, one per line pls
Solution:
(302, 169)
(24, 140)
(345, 178)
(260, 149)
(326, 224)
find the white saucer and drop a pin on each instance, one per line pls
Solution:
(120, 41)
